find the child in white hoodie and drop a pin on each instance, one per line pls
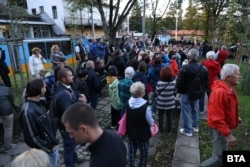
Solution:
(139, 122)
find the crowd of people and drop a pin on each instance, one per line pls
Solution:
(141, 80)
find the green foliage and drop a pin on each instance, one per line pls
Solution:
(16, 15)
(213, 10)
(246, 80)
(20, 3)
(239, 32)
(192, 20)
(80, 4)
(116, 17)
(153, 22)
(135, 19)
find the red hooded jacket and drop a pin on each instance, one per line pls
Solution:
(222, 108)
(223, 55)
(213, 68)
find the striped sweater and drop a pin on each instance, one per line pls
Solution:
(165, 97)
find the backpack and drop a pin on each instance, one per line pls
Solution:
(196, 89)
(49, 80)
(80, 66)
(114, 94)
(53, 113)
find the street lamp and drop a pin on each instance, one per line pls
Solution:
(177, 2)
(92, 19)
(143, 21)
(128, 25)
(176, 24)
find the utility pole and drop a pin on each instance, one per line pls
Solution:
(92, 19)
(176, 25)
(81, 21)
(143, 21)
(176, 21)
(128, 25)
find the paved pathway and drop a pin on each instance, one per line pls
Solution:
(187, 151)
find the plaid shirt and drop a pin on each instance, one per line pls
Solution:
(124, 93)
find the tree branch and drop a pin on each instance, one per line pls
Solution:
(164, 11)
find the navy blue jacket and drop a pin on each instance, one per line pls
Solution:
(154, 75)
(63, 98)
(94, 83)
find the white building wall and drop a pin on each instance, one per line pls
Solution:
(47, 4)
(63, 11)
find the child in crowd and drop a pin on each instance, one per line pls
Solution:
(113, 82)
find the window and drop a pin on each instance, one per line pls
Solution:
(40, 45)
(66, 47)
(45, 31)
(33, 11)
(41, 32)
(54, 12)
(41, 9)
(27, 33)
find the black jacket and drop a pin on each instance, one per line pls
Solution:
(38, 129)
(81, 87)
(3, 66)
(6, 101)
(108, 151)
(120, 65)
(137, 126)
(186, 75)
(93, 82)
(82, 51)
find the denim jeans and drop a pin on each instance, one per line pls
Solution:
(94, 100)
(189, 106)
(201, 103)
(69, 146)
(8, 129)
(54, 157)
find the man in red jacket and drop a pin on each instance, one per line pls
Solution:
(222, 55)
(223, 113)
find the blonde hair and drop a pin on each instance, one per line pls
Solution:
(32, 158)
(55, 48)
(35, 49)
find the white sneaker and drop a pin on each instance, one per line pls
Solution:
(196, 129)
(184, 133)
(113, 127)
(202, 112)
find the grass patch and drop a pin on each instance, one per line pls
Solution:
(165, 145)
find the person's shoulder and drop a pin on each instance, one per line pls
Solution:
(59, 88)
(112, 134)
(172, 82)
